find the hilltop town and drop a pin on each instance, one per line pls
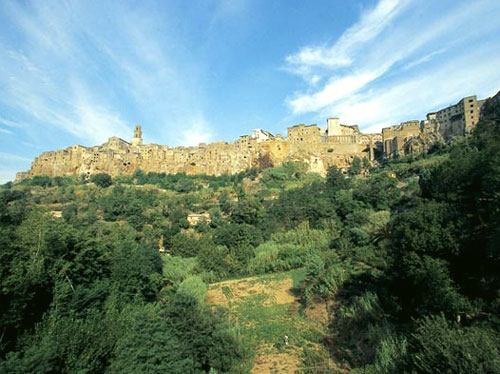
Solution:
(319, 147)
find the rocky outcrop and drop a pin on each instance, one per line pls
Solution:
(309, 144)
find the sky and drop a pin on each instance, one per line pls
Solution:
(80, 71)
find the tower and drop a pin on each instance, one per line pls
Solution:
(137, 140)
(333, 127)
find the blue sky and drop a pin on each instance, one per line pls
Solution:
(77, 72)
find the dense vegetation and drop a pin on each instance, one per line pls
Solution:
(409, 251)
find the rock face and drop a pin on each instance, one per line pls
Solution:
(319, 148)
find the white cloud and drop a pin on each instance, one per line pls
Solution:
(370, 25)
(426, 58)
(5, 131)
(335, 89)
(10, 123)
(387, 48)
(13, 157)
(93, 77)
(196, 132)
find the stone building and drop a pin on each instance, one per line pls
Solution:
(304, 134)
(261, 135)
(459, 119)
(395, 137)
(195, 218)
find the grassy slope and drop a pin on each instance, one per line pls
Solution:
(266, 308)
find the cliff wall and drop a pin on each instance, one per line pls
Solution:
(308, 144)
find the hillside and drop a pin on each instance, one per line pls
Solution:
(391, 269)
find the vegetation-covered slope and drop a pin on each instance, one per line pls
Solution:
(405, 259)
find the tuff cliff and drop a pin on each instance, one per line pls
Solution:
(318, 147)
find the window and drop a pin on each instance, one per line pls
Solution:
(471, 100)
(472, 111)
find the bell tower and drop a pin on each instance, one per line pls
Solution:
(137, 140)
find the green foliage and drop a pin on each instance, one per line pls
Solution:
(176, 269)
(135, 269)
(391, 355)
(425, 286)
(70, 212)
(380, 191)
(266, 258)
(427, 228)
(237, 236)
(246, 211)
(185, 245)
(440, 347)
(278, 176)
(147, 344)
(65, 345)
(215, 261)
(207, 338)
(288, 250)
(46, 181)
(82, 293)
(323, 281)
(193, 287)
(355, 168)
(309, 204)
(336, 180)
(102, 180)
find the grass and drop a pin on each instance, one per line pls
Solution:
(266, 316)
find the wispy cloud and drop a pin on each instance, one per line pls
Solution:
(342, 53)
(424, 59)
(196, 132)
(12, 157)
(10, 123)
(391, 63)
(5, 131)
(96, 77)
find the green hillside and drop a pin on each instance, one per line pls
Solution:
(388, 269)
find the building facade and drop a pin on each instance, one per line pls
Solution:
(459, 119)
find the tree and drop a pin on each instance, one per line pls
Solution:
(366, 163)
(102, 180)
(336, 180)
(148, 344)
(439, 347)
(380, 191)
(355, 168)
(246, 210)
